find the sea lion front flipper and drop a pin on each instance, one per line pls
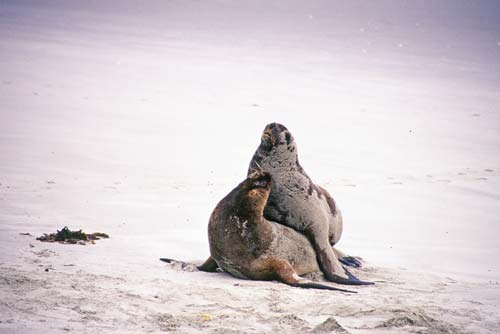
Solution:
(330, 264)
(285, 273)
(209, 265)
(351, 261)
(355, 279)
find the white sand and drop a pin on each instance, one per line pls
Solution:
(135, 121)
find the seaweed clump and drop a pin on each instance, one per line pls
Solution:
(66, 236)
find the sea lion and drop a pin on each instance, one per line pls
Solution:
(297, 202)
(246, 245)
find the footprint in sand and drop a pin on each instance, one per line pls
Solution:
(477, 173)
(44, 253)
(417, 319)
(345, 183)
(330, 325)
(392, 178)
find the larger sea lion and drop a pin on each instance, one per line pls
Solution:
(297, 202)
(246, 245)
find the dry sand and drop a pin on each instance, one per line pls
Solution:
(136, 120)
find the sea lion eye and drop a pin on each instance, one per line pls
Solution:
(266, 143)
(259, 183)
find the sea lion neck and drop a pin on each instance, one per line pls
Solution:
(277, 158)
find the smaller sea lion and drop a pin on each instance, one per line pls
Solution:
(246, 245)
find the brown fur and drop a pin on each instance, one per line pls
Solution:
(246, 245)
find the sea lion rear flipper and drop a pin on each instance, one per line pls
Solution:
(286, 274)
(209, 265)
(351, 261)
(164, 259)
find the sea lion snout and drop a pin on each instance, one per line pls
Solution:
(276, 134)
(260, 180)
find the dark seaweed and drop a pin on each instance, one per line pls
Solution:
(65, 235)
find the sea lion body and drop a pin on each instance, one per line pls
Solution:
(295, 201)
(307, 206)
(246, 245)
(236, 253)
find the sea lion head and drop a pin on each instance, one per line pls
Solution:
(255, 190)
(275, 136)
(277, 150)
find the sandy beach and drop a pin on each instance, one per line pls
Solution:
(135, 120)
